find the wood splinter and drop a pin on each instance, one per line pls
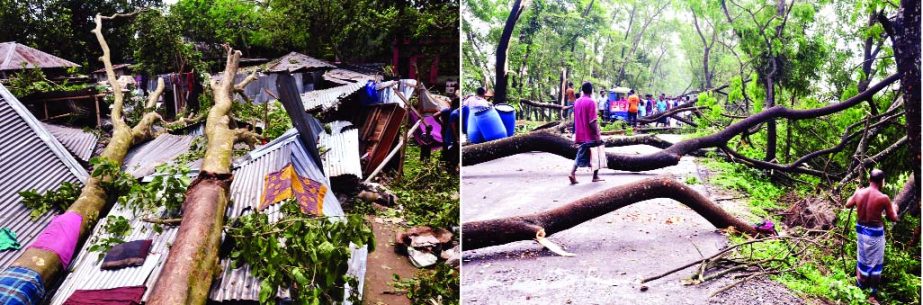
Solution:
(550, 245)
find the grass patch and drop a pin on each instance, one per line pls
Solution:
(427, 192)
(429, 196)
(763, 195)
(824, 271)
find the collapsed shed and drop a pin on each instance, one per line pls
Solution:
(235, 285)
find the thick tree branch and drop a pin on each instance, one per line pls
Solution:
(547, 142)
(486, 233)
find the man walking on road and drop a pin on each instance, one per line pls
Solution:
(870, 203)
(586, 131)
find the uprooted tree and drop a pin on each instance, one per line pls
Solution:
(903, 29)
(187, 274)
(92, 200)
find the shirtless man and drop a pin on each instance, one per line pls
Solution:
(870, 202)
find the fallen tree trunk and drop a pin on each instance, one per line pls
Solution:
(188, 272)
(541, 105)
(486, 233)
(672, 113)
(93, 197)
(904, 30)
(908, 199)
(479, 153)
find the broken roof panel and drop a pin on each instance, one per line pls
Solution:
(13, 55)
(144, 159)
(246, 191)
(79, 142)
(295, 61)
(25, 146)
(330, 98)
(342, 155)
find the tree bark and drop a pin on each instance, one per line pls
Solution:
(904, 31)
(187, 274)
(503, 51)
(486, 233)
(92, 200)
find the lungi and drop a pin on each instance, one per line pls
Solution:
(870, 250)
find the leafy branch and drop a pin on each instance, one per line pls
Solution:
(305, 253)
(58, 199)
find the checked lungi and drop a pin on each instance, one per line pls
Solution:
(870, 250)
(21, 286)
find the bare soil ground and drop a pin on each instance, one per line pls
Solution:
(383, 263)
(613, 252)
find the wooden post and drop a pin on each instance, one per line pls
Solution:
(400, 165)
(99, 119)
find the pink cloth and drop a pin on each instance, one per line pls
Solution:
(584, 113)
(428, 120)
(61, 236)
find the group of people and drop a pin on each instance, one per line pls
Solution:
(638, 107)
(643, 107)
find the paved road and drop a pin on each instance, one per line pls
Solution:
(613, 251)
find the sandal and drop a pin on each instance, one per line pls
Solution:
(573, 179)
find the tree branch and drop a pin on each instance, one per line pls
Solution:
(486, 233)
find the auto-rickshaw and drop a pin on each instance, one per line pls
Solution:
(617, 104)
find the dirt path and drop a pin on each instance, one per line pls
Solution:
(383, 263)
(613, 251)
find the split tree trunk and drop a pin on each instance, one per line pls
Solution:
(187, 274)
(486, 233)
(92, 200)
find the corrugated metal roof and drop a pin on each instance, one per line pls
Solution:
(246, 191)
(342, 158)
(234, 284)
(325, 99)
(296, 61)
(144, 159)
(30, 158)
(14, 55)
(345, 77)
(85, 269)
(79, 142)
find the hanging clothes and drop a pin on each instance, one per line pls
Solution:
(286, 183)
(8, 240)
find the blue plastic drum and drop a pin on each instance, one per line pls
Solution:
(489, 124)
(464, 123)
(508, 115)
(474, 135)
